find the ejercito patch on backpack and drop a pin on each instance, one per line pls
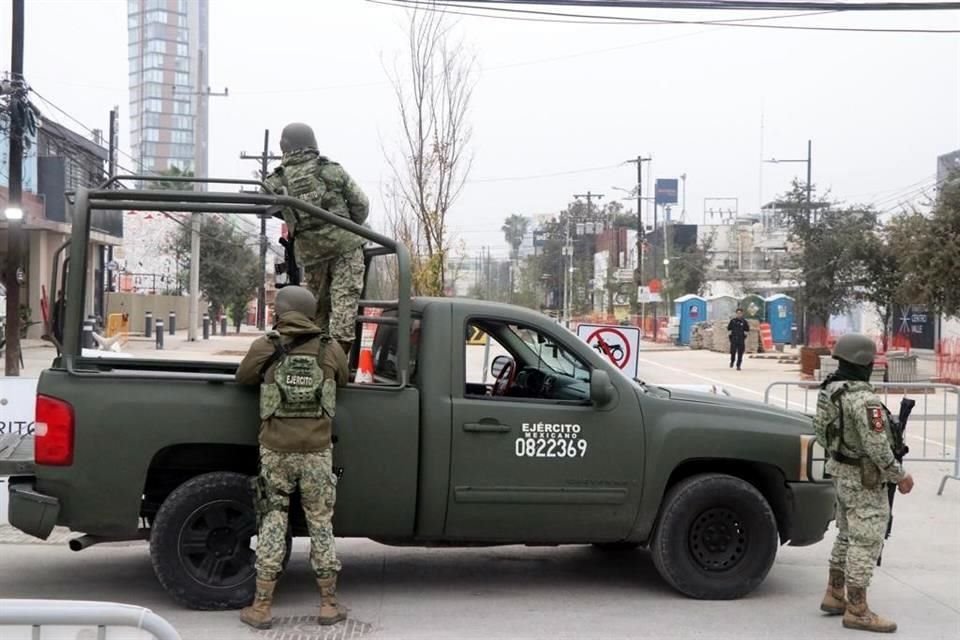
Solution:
(875, 418)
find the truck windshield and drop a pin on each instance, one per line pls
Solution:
(551, 354)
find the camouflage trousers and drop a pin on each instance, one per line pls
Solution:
(337, 283)
(861, 520)
(281, 474)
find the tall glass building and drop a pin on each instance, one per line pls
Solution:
(167, 45)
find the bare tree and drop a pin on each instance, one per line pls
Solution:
(433, 84)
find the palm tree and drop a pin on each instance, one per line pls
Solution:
(514, 229)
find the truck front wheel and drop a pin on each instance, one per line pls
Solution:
(716, 539)
(200, 542)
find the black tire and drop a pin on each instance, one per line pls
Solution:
(200, 542)
(716, 538)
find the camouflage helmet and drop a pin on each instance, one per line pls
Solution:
(294, 298)
(856, 348)
(297, 135)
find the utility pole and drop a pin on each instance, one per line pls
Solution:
(809, 180)
(683, 211)
(265, 157)
(641, 229)
(111, 172)
(589, 195)
(14, 214)
(203, 92)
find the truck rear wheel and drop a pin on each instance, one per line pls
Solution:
(200, 542)
(716, 539)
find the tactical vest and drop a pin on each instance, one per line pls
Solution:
(830, 428)
(299, 388)
(316, 239)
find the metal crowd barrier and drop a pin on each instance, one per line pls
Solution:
(935, 417)
(33, 616)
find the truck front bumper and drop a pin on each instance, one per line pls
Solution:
(814, 505)
(30, 511)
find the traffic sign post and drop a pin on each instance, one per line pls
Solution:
(619, 345)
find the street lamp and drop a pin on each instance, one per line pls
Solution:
(13, 213)
(809, 162)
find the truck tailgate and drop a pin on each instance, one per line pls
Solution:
(16, 454)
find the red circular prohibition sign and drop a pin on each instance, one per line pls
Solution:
(607, 350)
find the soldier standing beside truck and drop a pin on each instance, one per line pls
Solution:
(332, 257)
(853, 426)
(298, 372)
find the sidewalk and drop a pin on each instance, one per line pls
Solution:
(37, 354)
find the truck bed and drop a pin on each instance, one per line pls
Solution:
(16, 454)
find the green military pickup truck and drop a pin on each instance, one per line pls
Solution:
(534, 440)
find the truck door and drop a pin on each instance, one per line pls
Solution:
(532, 459)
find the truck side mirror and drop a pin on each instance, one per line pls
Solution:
(601, 389)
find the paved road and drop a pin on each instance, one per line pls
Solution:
(557, 593)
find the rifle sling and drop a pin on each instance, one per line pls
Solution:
(280, 350)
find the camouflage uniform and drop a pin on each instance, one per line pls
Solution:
(298, 373)
(332, 257)
(863, 442)
(282, 473)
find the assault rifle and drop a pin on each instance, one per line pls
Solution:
(289, 265)
(900, 449)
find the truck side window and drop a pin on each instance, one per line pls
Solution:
(385, 352)
(515, 361)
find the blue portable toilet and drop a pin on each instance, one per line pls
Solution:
(780, 317)
(690, 309)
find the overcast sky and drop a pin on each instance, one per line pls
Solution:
(551, 98)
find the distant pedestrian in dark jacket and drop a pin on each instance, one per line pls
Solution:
(737, 328)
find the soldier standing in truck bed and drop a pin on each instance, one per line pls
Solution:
(331, 256)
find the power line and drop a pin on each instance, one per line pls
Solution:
(504, 13)
(729, 5)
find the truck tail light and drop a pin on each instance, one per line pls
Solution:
(54, 432)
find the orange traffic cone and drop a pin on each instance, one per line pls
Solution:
(365, 367)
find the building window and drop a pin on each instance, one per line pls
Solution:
(183, 123)
(134, 65)
(181, 150)
(133, 6)
(182, 79)
(151, 135)
(153, 90)
(182, 6)
(182, 108)
(153, 75)
(181, 137)
(133, 50)
(182, 35)
(156, 46)
(153, 104)
(156, 4)
(155, 30)
(183, 49)
(182, 64)
(152, 120)
(157, 17)
(149, 149)
(133, 21)
(153, 60)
